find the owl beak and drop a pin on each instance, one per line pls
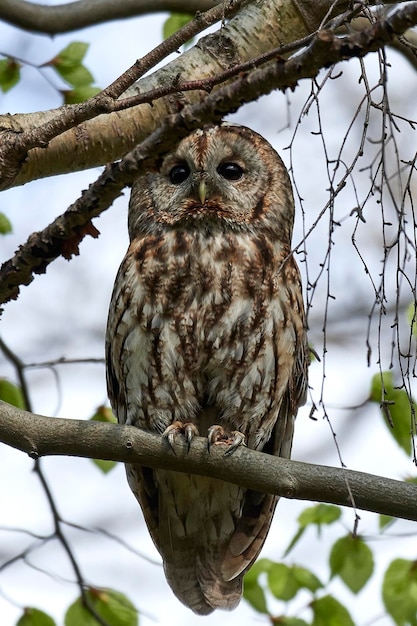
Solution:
(202, 191)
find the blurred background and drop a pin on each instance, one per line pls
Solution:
(343, 260)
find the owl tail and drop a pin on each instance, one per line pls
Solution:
(200, 588)
(208, 546)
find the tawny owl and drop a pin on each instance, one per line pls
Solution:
(206, 334)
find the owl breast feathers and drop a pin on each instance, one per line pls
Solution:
(206, 333)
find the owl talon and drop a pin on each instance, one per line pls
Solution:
(238, 439)
(188, 430)
(217, 434)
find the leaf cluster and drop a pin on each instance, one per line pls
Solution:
(68, 64)
(350, 560)
(111, 606)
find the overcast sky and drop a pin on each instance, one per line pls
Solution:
(63, 314)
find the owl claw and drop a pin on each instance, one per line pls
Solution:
(188, 430)
(238, 439)
(217, 434)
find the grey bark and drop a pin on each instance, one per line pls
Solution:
(38, 435)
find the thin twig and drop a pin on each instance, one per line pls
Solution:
(64, 234)
(19, 367)
(18, 145)
(58, 533)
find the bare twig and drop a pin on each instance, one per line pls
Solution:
(19, 367)
(64, 234)
(57, 520)
(16, 148)
(60, 535)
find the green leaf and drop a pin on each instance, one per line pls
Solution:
(295, 539)
(72, 55)
(385, 521)
(78, 76)
(35, 617)
(312, 353)
(252, 590)
(285, 581)
(306, 579)
(113, 606)
(104, 414)
(105, 465)
(315, 515)
(412, 317)
(80, 94)
(399, 591)
(68, 64)
(281, 582)
(352, 560)
(319, 514)
(261, 566)
(11, 393)
(396, 408)
(9, 74)
(5, 225)
(174, 22)
(282, 620)
(327, 611)
(254, 595)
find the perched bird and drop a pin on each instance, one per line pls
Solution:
(207, 334)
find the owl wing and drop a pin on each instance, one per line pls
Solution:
(258, 509)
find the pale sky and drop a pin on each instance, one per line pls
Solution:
(63, 313)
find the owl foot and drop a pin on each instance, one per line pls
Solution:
(187, 429)
(217, 434)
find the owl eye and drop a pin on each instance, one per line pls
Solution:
(230, 171)
(179, 173)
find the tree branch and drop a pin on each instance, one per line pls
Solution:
(100, 140)
(64, 234)
(243, 40)
(15, 150)
(42, 436)
(64, 18)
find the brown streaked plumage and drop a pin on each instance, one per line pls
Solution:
(206, 333)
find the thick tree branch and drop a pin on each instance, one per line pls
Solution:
(42, 436)
(243, 40)
(257, 28)
(64, 234)
(64, 18)
(15, 150)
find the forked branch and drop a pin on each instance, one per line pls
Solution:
(65, 233)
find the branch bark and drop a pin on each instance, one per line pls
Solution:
(258, 28)
(17, 144)
(64, 18)
(64, 234)
(38, 435)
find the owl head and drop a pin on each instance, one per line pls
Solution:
(224, 177)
